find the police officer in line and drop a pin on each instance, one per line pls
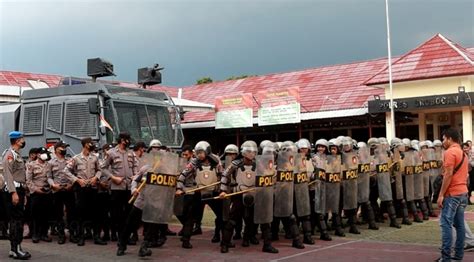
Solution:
(103, 197)
(317, 190)
(243, 169)
(83, 169)
(120, 166)
(63, 196)
(14, 173)
(27, 219)
(134, 218)
(41, 199)
(231, 152)
(204, 166)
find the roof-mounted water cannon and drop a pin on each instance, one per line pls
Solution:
(149, 75)
(99, 67)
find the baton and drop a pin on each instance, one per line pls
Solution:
(229, 195)
(139, 189)
(200, 188)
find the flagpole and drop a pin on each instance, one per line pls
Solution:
(392, 113)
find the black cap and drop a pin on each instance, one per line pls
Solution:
(61, 144)
(42, 150)
(107, 147)
(139, 145)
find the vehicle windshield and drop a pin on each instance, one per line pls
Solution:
(146, 122)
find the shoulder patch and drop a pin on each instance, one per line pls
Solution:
(10, 158)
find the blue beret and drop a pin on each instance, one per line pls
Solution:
(15, 134)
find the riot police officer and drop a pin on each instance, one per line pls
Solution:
(201, 171)
(254, 207)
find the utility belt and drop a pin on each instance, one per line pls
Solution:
(18, 185)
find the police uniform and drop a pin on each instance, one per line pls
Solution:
(193, 201)
(41, 199)
(85, 167)
(62, 197)
(14, 172)
(123, 164)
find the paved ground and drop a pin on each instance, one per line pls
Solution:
(418, 242)
(370, 246)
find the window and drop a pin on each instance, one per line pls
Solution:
(55, 117)
(79, 123)
(33, 119)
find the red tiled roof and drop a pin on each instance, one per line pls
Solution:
(325, 88)
(437, 57)
(321, 89)
(9, 78)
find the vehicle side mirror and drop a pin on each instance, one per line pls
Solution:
(93, 106)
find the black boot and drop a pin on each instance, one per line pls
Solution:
(392, 215)
(269, 249)
(403, 206)
(352, 217)
(307, 238)
(99, 241)
(336, 224)
(224, 248)
(424, 209)
(297, 244)
(17, 253)
(416, 217)
(144, 251)
(217, 233)
(197, 229)
(371, 216)
(295, 233)
(431, 212)
(321, 224)
(61, 237)
(186, 244)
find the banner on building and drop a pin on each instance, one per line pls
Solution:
(234, 111)
(279, 106)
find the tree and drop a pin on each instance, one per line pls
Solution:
(239, 77)
(204, 80)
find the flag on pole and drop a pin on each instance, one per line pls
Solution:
(103, 122)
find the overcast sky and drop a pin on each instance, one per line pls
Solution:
(219, 38)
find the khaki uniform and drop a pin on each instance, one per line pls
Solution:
(82, 167)
(14, 170)
(37, 177)
(120, 164)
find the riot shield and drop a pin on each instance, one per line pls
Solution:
(363, 175)
(179, 200)
(333, 183)
(283, 206)
(160, 187)
(350, 164)
(408, 175)
(319, 176)
(383, 173)
(426, 157)
(397, 170)
(301, 197)
(263, 206)
(418, 176)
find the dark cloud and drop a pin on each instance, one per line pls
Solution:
(193, 39)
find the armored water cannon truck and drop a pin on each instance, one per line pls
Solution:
(91, 109)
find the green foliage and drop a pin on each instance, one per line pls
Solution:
(238, 77)
(204, 80)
